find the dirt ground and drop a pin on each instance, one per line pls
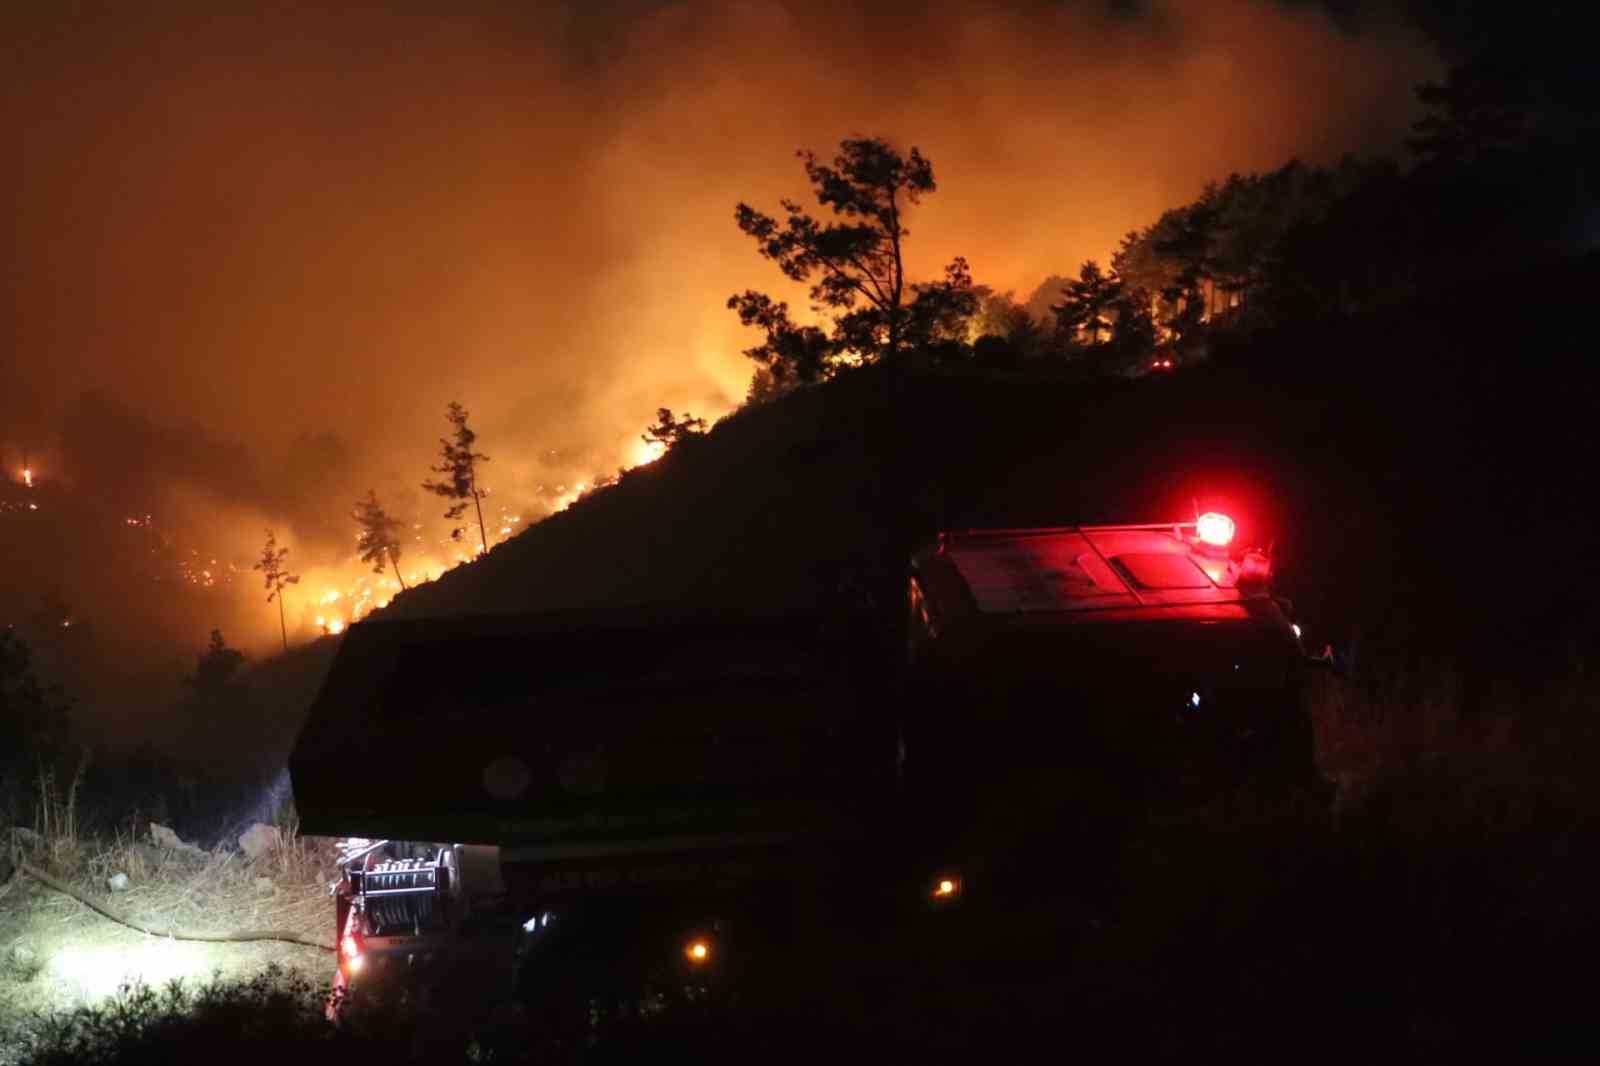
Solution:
(57, 954)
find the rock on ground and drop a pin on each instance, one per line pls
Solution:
(259, 840)
(164, 837)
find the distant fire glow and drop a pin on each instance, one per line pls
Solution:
(569, 496)
(648, 451)
(336, 589)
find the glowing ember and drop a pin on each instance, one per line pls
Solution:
(27, 477)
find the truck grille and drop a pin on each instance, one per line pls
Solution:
(399, 902)
(401, 914)
(376, 883)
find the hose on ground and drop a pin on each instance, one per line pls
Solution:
(120, 918)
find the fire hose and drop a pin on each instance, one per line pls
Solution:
(120, 918)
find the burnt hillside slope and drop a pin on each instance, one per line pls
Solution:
(1426, 470)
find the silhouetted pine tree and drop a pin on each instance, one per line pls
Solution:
(459, 465)
(379, 542)
(275, 573)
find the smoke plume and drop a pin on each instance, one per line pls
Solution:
(255, 251)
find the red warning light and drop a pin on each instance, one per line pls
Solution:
(350, 952)
(1214, 529)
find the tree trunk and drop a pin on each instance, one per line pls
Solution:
(283, 627)
(477, 502)
(394, 561)
(899, 277)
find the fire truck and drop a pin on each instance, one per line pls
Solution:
(647, 807)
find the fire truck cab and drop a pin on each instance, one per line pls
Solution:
(1153, 659)
(662, 801)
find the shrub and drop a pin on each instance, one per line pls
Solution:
(278, 1015)
(21, 964)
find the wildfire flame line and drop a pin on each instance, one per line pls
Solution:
(346, 599)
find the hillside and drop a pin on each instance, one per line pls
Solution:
(1391, 458)
(1427, 478)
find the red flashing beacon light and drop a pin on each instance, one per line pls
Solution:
(1214, 530)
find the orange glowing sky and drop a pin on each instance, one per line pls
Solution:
(298, 234)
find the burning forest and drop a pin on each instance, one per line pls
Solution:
(337, 311)
(581, 425)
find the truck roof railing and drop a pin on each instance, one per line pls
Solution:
(1035, 531)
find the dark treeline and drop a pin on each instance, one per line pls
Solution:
(240, 717)
(1496, 175)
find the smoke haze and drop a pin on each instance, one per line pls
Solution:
(252, 256)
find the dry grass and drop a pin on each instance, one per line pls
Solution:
(56, 817)
(189, 887)
(1420, 747)
(59, 955)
